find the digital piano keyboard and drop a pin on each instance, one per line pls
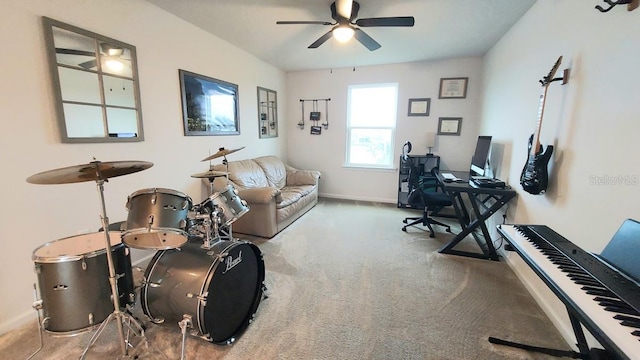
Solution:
(605, 301)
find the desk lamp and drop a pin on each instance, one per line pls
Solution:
(431, 142)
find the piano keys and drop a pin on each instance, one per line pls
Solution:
(604, 299)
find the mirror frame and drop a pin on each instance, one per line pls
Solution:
(48, 25)
(269, 117)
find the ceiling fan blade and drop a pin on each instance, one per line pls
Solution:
(304, 23)
(74, 52)
(88, 64)
(366, 40)
(407, 21)
(321, 40)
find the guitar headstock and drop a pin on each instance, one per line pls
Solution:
(547, 79)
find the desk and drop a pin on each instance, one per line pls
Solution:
(480, 199)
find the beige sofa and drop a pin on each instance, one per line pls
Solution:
(276, 193)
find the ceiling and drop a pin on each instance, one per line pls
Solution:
(443, 29)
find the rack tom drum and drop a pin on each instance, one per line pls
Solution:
(157, 219)
(230, 206)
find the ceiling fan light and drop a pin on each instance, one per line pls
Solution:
(343, 33)
(114, 64)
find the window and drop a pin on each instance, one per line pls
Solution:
(371, 125)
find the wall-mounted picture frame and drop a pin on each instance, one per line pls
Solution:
(453, 88)
(419, 107)
(449, 125)
(209, 106)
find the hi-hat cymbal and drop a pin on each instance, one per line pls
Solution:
(210, 174)
(222, 152)
(93, 171)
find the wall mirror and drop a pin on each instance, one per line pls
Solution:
(95, 81)
(267, 113)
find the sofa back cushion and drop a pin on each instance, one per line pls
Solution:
(274, 170)
(245, 174)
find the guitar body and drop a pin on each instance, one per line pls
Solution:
(535, 176)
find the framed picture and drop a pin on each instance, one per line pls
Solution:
(419, 107)
(453, 88)
(449, 125)
(209, 106)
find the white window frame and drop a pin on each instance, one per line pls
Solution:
(391, 127)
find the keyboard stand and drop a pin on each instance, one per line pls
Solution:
(585, 352)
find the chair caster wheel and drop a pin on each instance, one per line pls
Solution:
(404, 228)
(432, 235)
(448, 230)
(404, 221)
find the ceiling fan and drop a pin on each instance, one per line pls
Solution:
(345, 12)
(110, 52)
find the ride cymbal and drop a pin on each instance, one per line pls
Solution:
(210, 174)
(93, 171)
(221, 152)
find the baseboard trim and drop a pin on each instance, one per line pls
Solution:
(357, 198)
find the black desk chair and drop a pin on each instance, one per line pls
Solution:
(426, 193)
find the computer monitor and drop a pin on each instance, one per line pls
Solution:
(480, 156)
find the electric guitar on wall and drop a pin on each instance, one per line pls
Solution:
(535, 178)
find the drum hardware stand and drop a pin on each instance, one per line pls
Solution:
(119, 316)
(37, 305)
(184, 324)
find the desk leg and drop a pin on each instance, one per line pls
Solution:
(469, 228)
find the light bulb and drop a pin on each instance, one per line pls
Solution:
(114, 64)
(343, 33)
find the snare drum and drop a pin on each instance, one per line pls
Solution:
(73, 277)
(230, 206)
(219, 289)
(157, 219)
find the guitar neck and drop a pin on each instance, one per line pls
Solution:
(535, 145)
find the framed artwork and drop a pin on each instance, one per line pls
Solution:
(209, 106)
(449, 125)
(453, 88)
(419, 107)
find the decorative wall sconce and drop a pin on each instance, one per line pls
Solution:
(315, 115)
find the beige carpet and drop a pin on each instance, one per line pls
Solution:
(344, 282)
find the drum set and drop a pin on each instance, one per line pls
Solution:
(200, 278)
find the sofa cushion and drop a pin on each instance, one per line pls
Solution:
(291, 194)
(274, 170)
(245, 174)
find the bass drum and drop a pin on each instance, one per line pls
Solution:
(219, 288)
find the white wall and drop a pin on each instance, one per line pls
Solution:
(36, 214)
(593, 122)
(326, 152)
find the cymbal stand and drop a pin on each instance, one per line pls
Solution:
(116, 315)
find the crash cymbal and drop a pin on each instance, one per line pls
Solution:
(93, 171)
(222, 152)
(210, 174)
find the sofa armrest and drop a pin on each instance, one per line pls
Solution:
(302, 177)
(261, 195)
